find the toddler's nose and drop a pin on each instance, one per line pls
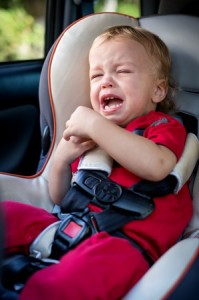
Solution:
(106, 83)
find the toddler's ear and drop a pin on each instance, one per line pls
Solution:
(160, 91)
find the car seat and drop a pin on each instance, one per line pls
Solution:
(64, 82)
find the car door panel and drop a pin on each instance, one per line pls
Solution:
(19, 117)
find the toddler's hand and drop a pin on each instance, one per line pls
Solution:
(79, 123)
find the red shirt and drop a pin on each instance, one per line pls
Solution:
(160, 230)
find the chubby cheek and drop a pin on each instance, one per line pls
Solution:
(94, 98)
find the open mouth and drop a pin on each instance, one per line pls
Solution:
(111, 103)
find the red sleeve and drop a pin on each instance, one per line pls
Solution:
(74, 165)
(168, 132)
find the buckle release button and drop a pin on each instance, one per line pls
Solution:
(72, 229)
(108, 192)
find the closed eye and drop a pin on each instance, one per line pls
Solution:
(125, 71)
(95, 76)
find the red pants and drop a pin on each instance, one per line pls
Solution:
(101, 267)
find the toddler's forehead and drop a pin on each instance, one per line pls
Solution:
(119, 43)
(103, 42)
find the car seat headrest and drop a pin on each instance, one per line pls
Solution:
(181, 35)
(179, 32)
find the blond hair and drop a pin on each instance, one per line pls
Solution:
(158, 51)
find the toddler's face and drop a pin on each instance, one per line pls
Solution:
(122, 80)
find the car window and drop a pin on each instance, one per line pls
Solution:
(22, 29)
(130, 7)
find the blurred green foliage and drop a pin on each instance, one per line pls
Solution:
(20, 36)
(22, 26)
(129, 7)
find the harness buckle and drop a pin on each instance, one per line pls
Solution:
(98, 186)
(107, 192)
(71, 231)
(103, 192)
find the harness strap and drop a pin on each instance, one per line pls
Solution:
(97, 188)
(156, 189)
(75, 228)
(120, 205)
(111, 220)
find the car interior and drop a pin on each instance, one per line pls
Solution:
(27, 154)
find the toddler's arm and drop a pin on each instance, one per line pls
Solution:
(136, 153)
